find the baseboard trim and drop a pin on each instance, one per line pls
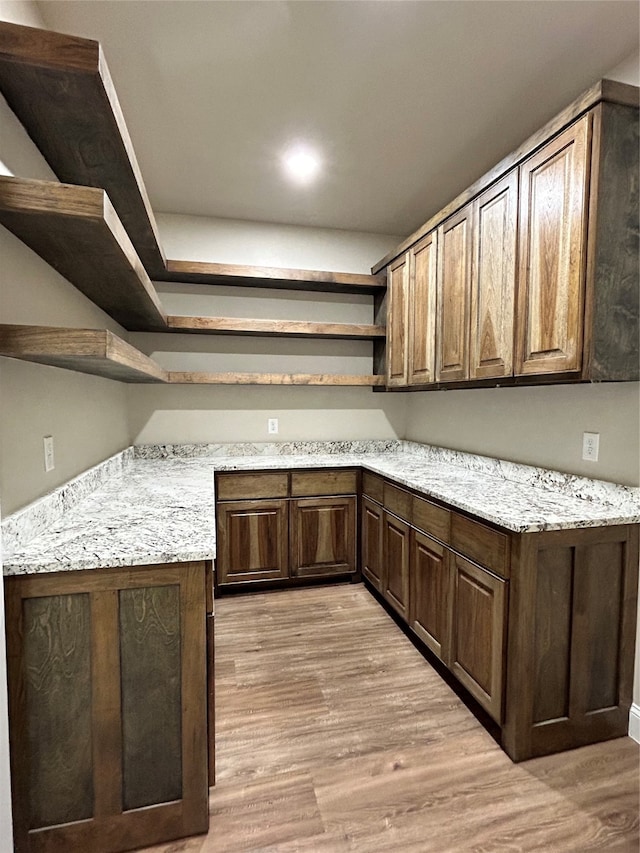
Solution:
(634, 722)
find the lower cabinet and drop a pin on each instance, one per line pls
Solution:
(300, 532)
(478, 633)
(371, 543)
(107, 673)
(395, 587)
(431, 593)
(323, 536)
(252, 540)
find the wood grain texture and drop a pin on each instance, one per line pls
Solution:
(478, 633)
(397, 500)
(431, 594)
(454, 296)
(57, 662)
(195, 378)
(373, 486)
(326, 482)
(322, 536)
(94, 351)
(431, 518)
(481, 543)
(237, 486)
(422, 311)
(371, 543)
(493, 279)
(274, 328)
(150, 656)
(604, 90)
(396, 555)
(612, 314)
(198, 272)
(60, 88)
(397, 322)
(553, 202)
(252, 540)
(77, 231)
(324, 749)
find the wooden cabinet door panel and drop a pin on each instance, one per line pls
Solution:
(454, 295)
(553, 199)
(422, 311)
(252, 541)
(478, 633)
(323, 536)
(430, 597)
(396, 558)
(397, 330)
(493, 276)
(371, 543)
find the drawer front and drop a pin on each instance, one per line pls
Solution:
(338, 482)
(373, 486)
(431, 518)
(486, 546)
(397, 501)
(231, 487)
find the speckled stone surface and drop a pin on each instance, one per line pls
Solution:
(159, 506)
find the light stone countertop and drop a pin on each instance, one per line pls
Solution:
(159, 506)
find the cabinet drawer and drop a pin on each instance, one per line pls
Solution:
(323, 483)
(397, 501)
(231, 487)
(483, 544)
(433, 519)
(373, 486)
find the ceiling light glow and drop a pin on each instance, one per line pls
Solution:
(301, 164)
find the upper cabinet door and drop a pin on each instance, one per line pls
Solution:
(397, 338)
(422, 311)
(454, 296)
(495, 218)
(553, 199)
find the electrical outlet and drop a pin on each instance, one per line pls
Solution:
(272, 426)
(590, 446)
(49, 461)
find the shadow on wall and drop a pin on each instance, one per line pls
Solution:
(202, 414)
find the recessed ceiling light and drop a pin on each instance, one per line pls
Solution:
(301, 164)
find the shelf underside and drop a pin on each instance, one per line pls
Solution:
(101, 353)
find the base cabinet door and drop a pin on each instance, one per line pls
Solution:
(372, 562)
(107, 708)
(431, 594)
(323, 536)
(478, 633)
(252, 541)
(396, 534)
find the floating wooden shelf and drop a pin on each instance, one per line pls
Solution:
(77, 231)
(60, 88)
(274, 328)
(95, 351)
(196, 272)
(190, 378)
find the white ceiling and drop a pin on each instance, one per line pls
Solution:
(409, 102)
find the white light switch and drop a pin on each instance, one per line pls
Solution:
(272, 426)
(590, 446)
(49, 461)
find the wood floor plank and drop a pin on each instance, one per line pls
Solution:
(336, 736)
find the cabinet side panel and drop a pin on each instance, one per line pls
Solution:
(614, 275)
(151, 695)
(57, 660)
(599, 598)
(552, 634)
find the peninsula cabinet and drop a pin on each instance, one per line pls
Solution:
(539, 628)
(285, 526)
(107, 673)
(537, 263)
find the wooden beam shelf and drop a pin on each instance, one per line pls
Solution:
(60, 88)
(275, 328)
(77, 231)
(95, 351)
(191, 378)
(197, 272)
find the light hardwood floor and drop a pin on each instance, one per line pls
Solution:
(334, 734)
